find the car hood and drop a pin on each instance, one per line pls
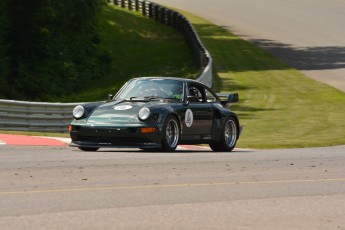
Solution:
(118, 112)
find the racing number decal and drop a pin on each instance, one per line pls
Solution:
(123, 107)
(188, 119)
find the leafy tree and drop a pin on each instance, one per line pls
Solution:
(53, 46)
(3, 47)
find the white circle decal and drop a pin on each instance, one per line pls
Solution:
(123, 107)
(188, 119)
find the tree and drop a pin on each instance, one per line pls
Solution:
(53, 45)
(3, 47)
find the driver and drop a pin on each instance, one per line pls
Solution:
(177, 91)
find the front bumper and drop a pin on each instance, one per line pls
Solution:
(114, 137)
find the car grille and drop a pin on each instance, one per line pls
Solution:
(113, 140)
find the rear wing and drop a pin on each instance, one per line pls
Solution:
(227, 99)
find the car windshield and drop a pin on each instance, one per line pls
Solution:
(151, 89)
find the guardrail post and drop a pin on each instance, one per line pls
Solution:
(156, 12)
(143, 8)
(173, 19)
(130, 4)
(151, 11)
(136, 5)
(162, 15)
(168, 17)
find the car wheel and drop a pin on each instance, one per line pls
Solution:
(88, 149)
(228, 137)
(171, 134)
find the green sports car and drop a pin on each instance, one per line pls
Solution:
(157, 113)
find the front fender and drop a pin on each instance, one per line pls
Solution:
(89, 108)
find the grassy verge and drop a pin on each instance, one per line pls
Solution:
(279, 107)
(137, 46)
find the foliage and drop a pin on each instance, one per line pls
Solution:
(52, 46)
(3, 59)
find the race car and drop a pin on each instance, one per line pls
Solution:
(157, 113)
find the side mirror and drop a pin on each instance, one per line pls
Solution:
(110, 97)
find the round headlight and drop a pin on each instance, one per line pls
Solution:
(144, 113)
(78, 111)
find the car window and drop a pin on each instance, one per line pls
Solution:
(197, 92)
(209, 96)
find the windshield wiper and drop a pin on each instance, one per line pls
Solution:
(149, 98)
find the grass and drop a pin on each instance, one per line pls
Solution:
(279, 106)
(137, 46)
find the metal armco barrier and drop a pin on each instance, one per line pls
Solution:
(55, 117)
(35, 116)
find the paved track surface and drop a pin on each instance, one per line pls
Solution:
(309, 35)
(64, 188)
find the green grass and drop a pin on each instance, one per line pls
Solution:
(137, 46)
(279, 106)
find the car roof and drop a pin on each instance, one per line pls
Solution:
(170, 78)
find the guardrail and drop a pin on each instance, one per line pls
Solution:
(55, 117)
(35, 116)
(175, 20)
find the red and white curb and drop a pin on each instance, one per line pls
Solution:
(22, 140)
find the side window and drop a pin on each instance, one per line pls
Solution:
(209, 96)
(197, 92)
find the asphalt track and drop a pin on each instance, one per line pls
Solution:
(309, 35)
(58, 187)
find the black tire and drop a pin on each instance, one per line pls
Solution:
(228, 137)
(171, 134)
(88, 149)
(215, 147)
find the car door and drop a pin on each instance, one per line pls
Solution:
(199, 113)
